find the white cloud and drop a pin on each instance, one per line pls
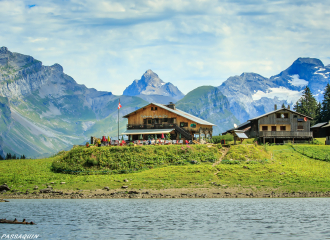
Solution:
(195, 42)
(37, 39)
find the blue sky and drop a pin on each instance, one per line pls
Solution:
(108, 44)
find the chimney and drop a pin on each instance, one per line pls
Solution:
(289, 107)
(171, 105)
(275, 107)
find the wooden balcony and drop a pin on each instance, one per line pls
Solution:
(150, 126)
(285, 134)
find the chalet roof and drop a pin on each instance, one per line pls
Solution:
(239, 126)
(240, 134)
(281, 109)
(328, 125)
(178, 112)
(319, 125)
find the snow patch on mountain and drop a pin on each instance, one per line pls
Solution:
(281, 93)
(296, 81)
(322, 74)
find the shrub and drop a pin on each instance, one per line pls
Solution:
(247, 152)
(230, 161)
(106, 160)
(316, 142)
(227, 137)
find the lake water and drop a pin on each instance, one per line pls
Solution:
(305, 218)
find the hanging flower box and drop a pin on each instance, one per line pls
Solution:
(141, 126)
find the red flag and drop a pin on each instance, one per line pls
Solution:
(119, 105)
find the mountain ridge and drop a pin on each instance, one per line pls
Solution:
(43, 110)
(251, 94)
(208, 103)
(151, 84)
(47, 111)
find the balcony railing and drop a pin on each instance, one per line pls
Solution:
(288, 134)
(150, 126)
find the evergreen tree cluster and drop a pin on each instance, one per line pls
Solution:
(307, 105)
(10, 156)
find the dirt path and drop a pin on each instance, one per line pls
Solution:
(224, 153)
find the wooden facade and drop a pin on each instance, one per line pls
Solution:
(321, 130)
(157, 116)
(279, 125)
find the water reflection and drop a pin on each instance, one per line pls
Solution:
(170, 218)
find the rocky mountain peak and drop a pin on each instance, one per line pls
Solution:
(57, 67)
(308, 61)
(151, 78)
(151, 84)
(4, 50)
(250, 75)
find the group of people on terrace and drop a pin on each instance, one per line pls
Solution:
(106, 141)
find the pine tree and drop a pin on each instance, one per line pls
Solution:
(1, 157)
(318, 113)
(325, 109)
(307, 105)
(8, 156)
(283, 106)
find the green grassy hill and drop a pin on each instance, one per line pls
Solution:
(258, 168)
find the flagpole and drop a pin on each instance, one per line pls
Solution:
(118, 120)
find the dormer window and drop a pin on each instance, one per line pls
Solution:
(152, 108)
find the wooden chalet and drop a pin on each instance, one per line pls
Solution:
(156, 119)
(277, 126)
(321, 130)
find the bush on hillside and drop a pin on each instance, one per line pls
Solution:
(81, 160)
(247, 153)
(217, 139)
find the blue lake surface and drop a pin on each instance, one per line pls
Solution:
(292, 218)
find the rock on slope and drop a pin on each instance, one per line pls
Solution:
(43, 110)
(151, 87)
(210, 104)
